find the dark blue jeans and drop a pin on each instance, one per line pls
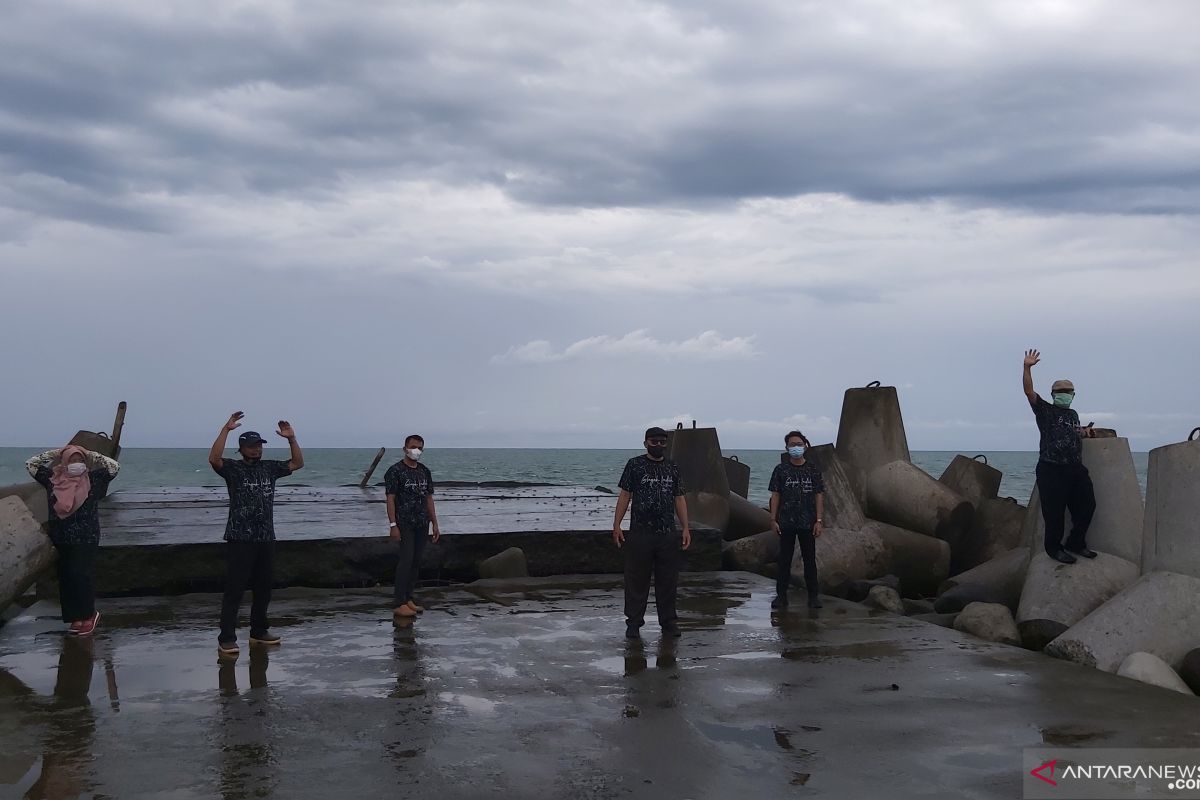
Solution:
(788, 536)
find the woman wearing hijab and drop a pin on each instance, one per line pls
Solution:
(75, 479)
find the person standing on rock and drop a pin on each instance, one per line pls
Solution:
(1063, 481)
(651, 485)
(409, 489)
(797, 513)
(250, 529)
(75, 479)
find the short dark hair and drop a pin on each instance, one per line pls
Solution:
(790, 434)
(656, 433)
(412, 436)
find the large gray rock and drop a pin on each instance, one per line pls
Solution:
(959, 597)
(921, 562)
(973, 479)
(507, 564)
(1117, 526)
(990, 621)
(885, 599)
(1149, 668)
(842, 507)
(870, 433)
(1172, 521)
(845, 555)
(1003, 576)
(1056, 596)
(901, 494)
(1158, 614)
(745, 518)
(995, 530)
(1189, 670)
(25, 549)
(752, 553)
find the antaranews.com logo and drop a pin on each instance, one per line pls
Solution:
(1086, 773)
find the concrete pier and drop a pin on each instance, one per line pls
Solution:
(527, 689)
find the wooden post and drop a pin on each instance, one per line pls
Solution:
(371, 469)
(118, 426)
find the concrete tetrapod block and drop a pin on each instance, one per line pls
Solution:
(996, 529)
(870, 433)
(903, 495)
(1149, 668)
(25, 549)
(973, 479)
(745, 518)
(1172, 521)
(34, 496)
(1158, 614)
(920, 562)
(1056, 596)
(842, 507)
(697, 453)
(845, 555)
(1003, 576)
(737, 475)
(509, 563)
(1117, 527)
(751, 553)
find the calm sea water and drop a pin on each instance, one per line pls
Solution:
(155, 467)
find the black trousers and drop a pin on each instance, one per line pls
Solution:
(250, 566)
(76, 573)
(1063, 487)
(657, 557)
(808, 552)
(408, 568)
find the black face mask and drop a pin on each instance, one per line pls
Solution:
(656, 450)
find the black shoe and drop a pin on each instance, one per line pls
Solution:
(779, 602)
(631, 632)
(1062, 556)
(814, 602)
(1086, 552)
(672, 632)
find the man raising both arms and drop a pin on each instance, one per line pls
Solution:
(250, 529)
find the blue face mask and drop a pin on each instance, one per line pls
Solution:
(1063, 399)
(796, 451)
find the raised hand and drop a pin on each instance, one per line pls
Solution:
(1032, 357)
(235, 421)
(285, 430)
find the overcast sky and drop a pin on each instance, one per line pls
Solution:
(551, 224)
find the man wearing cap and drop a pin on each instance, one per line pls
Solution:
(651, 484)
(250, 529)
(1063, 481)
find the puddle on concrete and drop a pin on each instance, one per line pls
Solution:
(761, 737)
(755, 655)
(1067, 735)
(470, 702)
(861, 651)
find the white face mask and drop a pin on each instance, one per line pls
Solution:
(415, 454)
(76, 469)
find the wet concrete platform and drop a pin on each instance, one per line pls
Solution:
(530, 691)
(170, 540)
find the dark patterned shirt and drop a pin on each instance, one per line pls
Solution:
(798, 487)
(654, 485)
(251, 498)
(1060, 443)
(83, 526)
(410, 486)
